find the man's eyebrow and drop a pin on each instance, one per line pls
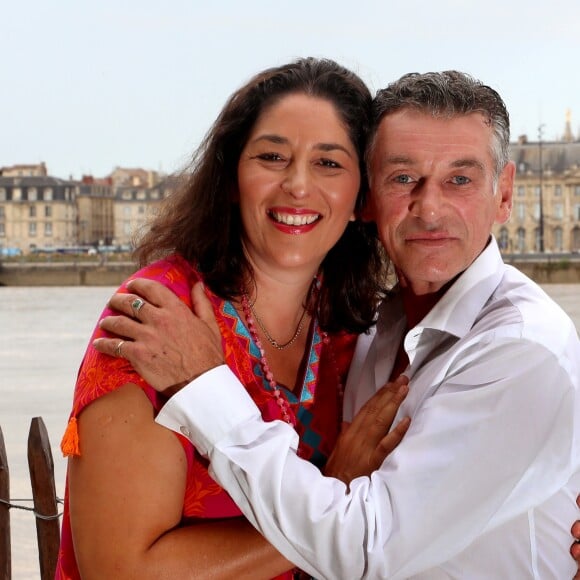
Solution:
(397, 160)
(467, 163)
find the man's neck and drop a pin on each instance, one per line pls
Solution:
(417, 307)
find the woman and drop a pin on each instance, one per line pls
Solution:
(266, 219)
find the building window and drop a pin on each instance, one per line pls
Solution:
(32, 194)
(2, 211)
(127, 195)
(577, 212)
(16, 194)
(576, 238)
(521, 191)
(32, 229)
(32, 211)
(2, 230)
(48, 229)
(2, 194)
(558, 191)
(537, 239)
(521, 243)
(558, 211)
(558, 239)
(537, 190)
(521, 211)
(127, 228)
(503, 241)
(47, 211)
(536, 211)
(48, 194)
(577, 190)
(126, 211)
(141, 209)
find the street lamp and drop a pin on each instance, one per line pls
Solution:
(541, 225)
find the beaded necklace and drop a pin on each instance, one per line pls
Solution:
(281, 400)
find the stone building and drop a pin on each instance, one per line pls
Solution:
(36, 210)
(135, 205)
(95, 211)
(43, 213)
(546, 198)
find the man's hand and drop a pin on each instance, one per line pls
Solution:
(363, 445)
(167, 343)
(575, 549)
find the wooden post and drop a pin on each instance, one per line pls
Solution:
(5, 556)
(41, 468)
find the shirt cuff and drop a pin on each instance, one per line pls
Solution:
(208, 408)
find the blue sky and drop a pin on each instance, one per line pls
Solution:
(88, 85)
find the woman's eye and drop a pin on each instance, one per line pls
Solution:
(329, 163)
(269, 157)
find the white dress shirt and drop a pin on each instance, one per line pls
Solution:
(483, 484)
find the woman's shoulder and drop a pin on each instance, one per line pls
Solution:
(174, 272)
(99, 373)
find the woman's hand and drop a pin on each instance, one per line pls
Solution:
(363, 445)
(165, 342)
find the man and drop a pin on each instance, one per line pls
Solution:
(487, 473)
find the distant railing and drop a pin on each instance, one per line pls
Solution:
(45, 502)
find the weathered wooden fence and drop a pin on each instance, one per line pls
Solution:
(44, 498)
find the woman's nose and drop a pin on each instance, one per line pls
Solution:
(297, 181)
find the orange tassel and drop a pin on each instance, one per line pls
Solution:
(70, 440)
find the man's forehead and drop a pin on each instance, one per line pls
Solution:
(405, 136)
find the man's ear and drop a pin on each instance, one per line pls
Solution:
(505, 191)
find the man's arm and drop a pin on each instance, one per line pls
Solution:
(464, 467)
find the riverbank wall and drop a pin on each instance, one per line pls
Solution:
(65, 274)
(112, 274)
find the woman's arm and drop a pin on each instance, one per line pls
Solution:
(126, 499)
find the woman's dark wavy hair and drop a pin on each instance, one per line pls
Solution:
(201, 222)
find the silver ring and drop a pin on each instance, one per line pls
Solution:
(136, 305)
(118, 352)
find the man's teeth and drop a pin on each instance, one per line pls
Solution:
(294, 220)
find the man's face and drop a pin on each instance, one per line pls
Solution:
(433, 196)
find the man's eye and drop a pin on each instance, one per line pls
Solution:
(460, 180)
(403, 178)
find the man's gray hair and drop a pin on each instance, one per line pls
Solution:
(445, 94)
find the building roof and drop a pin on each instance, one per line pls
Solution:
(557, 156)
(34, 181)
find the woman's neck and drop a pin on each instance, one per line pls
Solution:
(278, 306)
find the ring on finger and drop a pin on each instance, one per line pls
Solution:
(136, 305)
(118, 348)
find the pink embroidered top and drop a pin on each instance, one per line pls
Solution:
(316, 410)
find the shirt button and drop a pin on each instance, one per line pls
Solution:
(185, 431)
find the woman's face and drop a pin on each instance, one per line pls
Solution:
(298, 179)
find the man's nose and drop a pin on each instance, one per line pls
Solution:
(427, 202)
